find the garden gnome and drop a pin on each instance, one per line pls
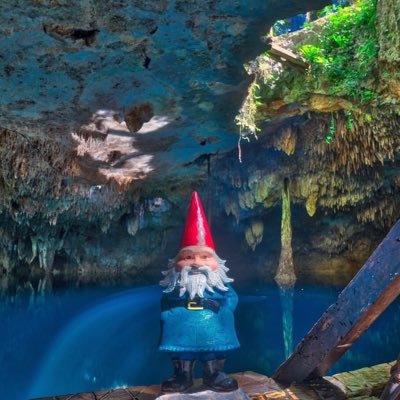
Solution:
(198, 303)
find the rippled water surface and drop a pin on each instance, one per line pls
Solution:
(92, 339)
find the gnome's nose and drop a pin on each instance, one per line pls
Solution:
(196, 262)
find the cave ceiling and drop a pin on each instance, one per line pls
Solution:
(131, 89)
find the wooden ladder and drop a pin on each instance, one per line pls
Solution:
(367, 295)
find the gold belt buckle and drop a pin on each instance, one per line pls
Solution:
(192, 305)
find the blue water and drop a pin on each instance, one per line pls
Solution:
(93, 339)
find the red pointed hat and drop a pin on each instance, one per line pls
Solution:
(197, 231)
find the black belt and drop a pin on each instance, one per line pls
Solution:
(193, 305)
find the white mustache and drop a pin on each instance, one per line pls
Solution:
(204, 269)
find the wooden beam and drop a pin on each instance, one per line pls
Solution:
(368, 294)
(287, 55)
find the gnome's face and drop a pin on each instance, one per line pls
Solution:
(195, 257)
(195, 270)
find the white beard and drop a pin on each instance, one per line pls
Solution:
(195, 284)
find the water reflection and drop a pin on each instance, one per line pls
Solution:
(32, 286)
(286, 295)
(96, 338)
(25, 291)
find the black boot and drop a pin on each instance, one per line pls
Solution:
(391, 392)
(182, 379)
(392, 388)
(215, 377)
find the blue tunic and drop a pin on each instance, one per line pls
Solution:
(200, 330)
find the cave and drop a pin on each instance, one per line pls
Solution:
(113, 113)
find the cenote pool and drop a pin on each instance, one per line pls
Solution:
(92, 339)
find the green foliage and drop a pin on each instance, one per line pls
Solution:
(350, 120)
(313, 54)
(333, 8)
(343, 54)
(328, 10)
(344, 58)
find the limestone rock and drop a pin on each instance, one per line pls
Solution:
(388, 13)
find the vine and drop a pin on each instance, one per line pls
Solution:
(332, 129)
(246, 119)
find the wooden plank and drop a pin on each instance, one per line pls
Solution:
(355, 384)
(301, 393)
(83, 396)
(363, 398)
(119, 394)
(289, 56)
(102, 394)
(368, 294)
(377, 376)
(326, 390)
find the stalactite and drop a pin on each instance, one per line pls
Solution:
(7, 262)
(254, 234)
(8, 258)
(246, 200)
(356, 172)
(285, 274)
(132, 225)
(259, 189)
(311, 204)
(47, 247)
(383, 212)
(286, 140)
(367, 141)
(232, 207)
(34, 241)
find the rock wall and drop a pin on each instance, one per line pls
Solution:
(388, 16)
(388, 25)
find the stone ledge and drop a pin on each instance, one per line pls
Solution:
(206, 395)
